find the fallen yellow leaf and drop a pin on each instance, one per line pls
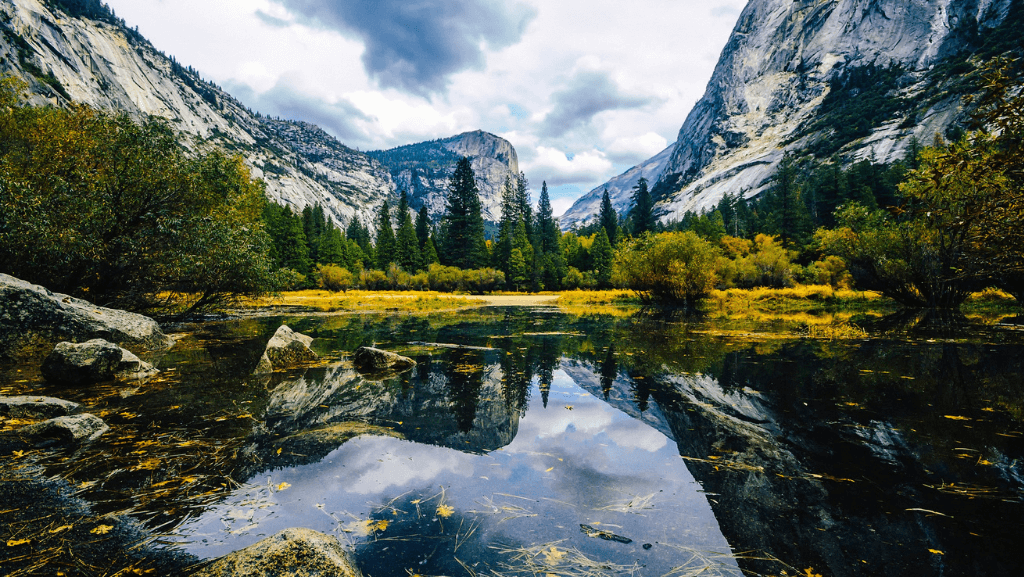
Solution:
(16, 542)
(445, 511)
(956, 418)
(102, 530)
(60, 529)
(936, 552)
(283, 486)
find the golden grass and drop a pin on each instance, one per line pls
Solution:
(366, 301)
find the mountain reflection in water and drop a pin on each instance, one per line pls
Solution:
(561, 437)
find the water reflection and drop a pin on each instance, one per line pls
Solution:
(860, 458)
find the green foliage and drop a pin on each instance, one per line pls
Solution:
(641, 216)
(603, 257)
(103, 207)
(762, 263)
(407, 250)
(673, 267)
(463, 225)
(609, 219)
(385, 247)
(334, 278)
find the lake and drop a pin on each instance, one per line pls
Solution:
(530, 441)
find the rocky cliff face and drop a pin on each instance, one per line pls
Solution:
(423, 169)
(769, 94)
(96, 60)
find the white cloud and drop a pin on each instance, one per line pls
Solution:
(560, 169)
(650, 59)
(635, 149)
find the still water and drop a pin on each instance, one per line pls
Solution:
(531, 441)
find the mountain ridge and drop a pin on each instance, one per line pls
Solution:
(93, 58)
(781, 63)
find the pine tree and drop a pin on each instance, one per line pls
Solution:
(642, 214)
(407, 249)
(523, 205)
(551, 259)
(609, 219)
(422, 227)
(788, 215)
(385, 246)
(429, 254)
(506, 228)
(463, 224)
(521, 246)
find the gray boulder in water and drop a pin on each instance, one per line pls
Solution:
(286, 348)
(68, 430)
(35, 407)
(294, 552)
(33, 317)
(93, 361)
(373, 360)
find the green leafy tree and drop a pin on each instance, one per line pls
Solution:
(104, 207)
(603, 256)
(552, 259)
(672, 267)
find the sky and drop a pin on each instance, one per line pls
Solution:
(583, 89)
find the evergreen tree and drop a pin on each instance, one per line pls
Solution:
(293, 251)
(429, 254)
(463, 224)
(407, 250)
(422, 228)
(506, 228)
(385, 246)
(358, 233)
(552, 261)
(642, 214)
(334, 249)
(787, 214)
(523, 205)
(609, 219)
(603, 255)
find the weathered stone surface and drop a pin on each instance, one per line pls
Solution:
(93, 361)
(68, 430)
(771, 80)
(35, 407)
(31, 315)
(373, 360)
(286, 348)
(132, 368)
(293, 552)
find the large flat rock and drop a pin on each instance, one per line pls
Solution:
(33, 318)
(293, 552)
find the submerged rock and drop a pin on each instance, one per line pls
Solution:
(294, 552)
(286, 348)
(35, 407)
(93, 361)
(373, 360)
(68, 430)
(32, 316)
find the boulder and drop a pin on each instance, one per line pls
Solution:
(68, 430)
(35, 407)
(293, 552)
(32, 316)
(94, 361)
(373, 360)
(286, 348)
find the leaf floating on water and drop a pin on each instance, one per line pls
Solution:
(936, 552)
(102, 530)
(606, 535)
(283, 486)
(60, 529)
(279, 450)
(16, 542)
(809, 572)
(549, 469)
(445, 511)
(553, 556)
(568, 407)
(956, 418)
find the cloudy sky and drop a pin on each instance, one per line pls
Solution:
(584, 89)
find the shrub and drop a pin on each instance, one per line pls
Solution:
(674, 267)
(373, 280)
(334, 278)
